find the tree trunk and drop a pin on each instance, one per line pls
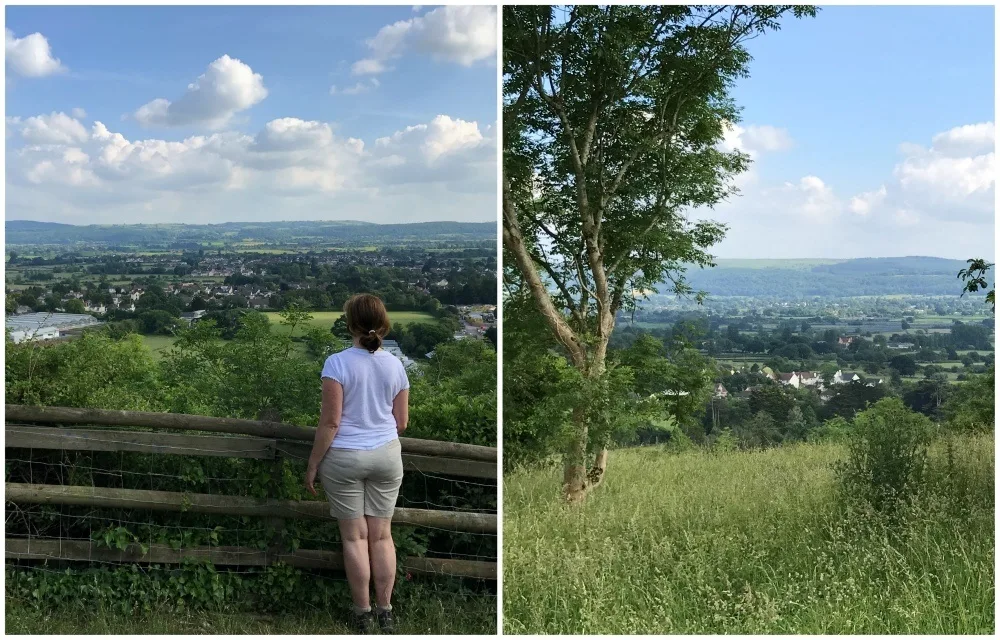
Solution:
(574, 464)
(596, 474)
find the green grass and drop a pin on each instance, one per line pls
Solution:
(443, 613)
(158, 344)
(325, 319)
(749, 543)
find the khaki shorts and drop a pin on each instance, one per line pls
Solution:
(362, 483)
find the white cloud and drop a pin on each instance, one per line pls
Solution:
(453, 33)
(971, 139)
(863, 204)
(445, 146)
(755, 139)
(936, 200)
(227, 87)
(954, 178)
(79, 113)
(30, 56)
(63, 165)
(54, 128)
(368, 66)
(359, 87)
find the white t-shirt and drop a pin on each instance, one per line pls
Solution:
(371, 382)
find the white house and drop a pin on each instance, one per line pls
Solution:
(843, 377)
(809, 378)
(791, 379)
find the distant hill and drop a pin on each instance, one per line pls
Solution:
(29, 232)
(912, 275)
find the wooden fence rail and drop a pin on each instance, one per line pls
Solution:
(73, 415)
(81, 550)
(232, 505)
(247, 439)
(82, 439)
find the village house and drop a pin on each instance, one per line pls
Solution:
(809, 378)
(792, 379)
(720, 391)
(846, 340)
(843, 377)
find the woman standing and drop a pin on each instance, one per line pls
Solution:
(357, 455)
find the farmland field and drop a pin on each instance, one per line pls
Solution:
(158, 344)
(325, 319)
(747, 543)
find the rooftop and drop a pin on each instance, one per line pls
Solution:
(63, 321)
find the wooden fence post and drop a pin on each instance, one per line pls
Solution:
(277, 545)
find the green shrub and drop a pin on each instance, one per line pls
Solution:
(726, 442)
(836, 429)
(679, 442)
(886, 455)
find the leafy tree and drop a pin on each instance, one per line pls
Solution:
(157, 322)
(905, 365)
(927, 396)
(760, 432)
(974, 277)
(971, 406)
(294, 315)
(905, 325)
(796, 427)
(74, 305)
(836, 429)
(772, 400)
(849, 399)
(612, 119)
(339, 328)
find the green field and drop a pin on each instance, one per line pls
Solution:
(158, 344)
(747, 543)
(325, 319)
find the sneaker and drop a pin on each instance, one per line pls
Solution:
(385, 620)
(364, 623)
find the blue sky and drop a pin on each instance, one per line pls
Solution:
(855, 98)
(286, 127)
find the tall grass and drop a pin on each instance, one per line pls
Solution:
(749, 543)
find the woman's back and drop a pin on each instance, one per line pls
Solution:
(371, 381)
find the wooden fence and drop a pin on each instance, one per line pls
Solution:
(248, 439)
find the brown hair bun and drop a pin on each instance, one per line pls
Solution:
(367, 320)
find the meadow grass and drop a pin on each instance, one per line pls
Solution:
(746, 542)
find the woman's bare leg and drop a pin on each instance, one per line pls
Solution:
(382, 552)
(354, 534)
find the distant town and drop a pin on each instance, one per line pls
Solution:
(448, 288)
